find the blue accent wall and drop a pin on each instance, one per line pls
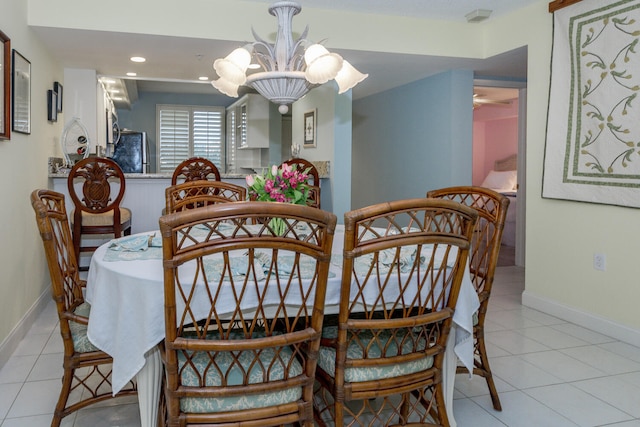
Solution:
(342, 150)
(413, 139)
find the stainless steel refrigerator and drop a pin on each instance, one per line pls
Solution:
(131, 152)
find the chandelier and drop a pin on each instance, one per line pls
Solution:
(288, 69)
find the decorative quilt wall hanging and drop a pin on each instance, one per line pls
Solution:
(592, 151)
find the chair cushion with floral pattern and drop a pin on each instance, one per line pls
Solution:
(327, 357)
(246, 359)
(81, 342)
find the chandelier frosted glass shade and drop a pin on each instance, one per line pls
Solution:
(322, 65)
(289, 70)
(226, 87)
(348, 77)
(233, 68)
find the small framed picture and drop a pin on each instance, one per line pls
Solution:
(5, 94)
(52, 106)
(21, 81)
(57, 88)
(310, 128)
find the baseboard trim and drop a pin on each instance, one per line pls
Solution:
(11, 342)
(582, 318)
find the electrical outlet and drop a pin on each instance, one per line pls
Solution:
(599, 261)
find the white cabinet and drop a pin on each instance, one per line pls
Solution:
(251, 122)
(230, 137)
(251, 125)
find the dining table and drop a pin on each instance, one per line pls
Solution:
(125, 288)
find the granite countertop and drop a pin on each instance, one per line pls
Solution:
(322, 166)
(152, 175)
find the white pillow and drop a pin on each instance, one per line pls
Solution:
(506, 180)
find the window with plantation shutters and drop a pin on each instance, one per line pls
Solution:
(189, 131)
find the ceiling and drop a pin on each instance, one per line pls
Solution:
(175, 63)
(446, 10)
(494, 96)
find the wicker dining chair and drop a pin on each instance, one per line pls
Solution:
(195, 169)
(403, 266)
(485, 249)
(303, 165)
(248, 304)
(193, 194)
(97, 209)
(87, 370)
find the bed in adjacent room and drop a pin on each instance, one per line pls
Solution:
(503, 178)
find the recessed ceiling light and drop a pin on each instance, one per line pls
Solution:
(138, 59)
(114, 91)
(117, 98)
(108, 81)
(132, 74)
(203, 78)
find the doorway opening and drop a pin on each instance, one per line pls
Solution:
(499, 133)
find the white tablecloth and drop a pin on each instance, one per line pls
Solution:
(127, 316)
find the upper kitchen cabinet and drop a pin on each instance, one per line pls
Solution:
(85, 101)
(252, 122)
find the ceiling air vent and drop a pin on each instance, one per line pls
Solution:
(477, 15)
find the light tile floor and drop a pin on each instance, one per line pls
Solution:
(549, 373)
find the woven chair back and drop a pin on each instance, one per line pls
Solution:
(403, 266)
(102, 186)
(487, 237)
(85, 367)
(193, 194)
(244, 301)
(66, 285)
(303, 165)
(195, 169)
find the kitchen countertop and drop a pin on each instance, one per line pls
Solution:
(322, 166)
(152, 175)
(145, 194)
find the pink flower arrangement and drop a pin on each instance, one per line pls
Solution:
(285, 184)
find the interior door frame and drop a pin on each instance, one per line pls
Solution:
(522, 163)
(521, 234)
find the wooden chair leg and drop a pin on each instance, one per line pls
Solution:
(440, 406)
(77, 240)
(59, 413)
(339, 408)
(404, 408)
(495, 399)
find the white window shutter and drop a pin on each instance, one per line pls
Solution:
(188, 131)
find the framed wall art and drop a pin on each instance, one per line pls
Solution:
(52, 105)
(5, 93)
(57, 88)
(310, 128)
(21, 108)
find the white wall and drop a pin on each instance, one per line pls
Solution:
(335, 193)
(320, 99)
(23, 168)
